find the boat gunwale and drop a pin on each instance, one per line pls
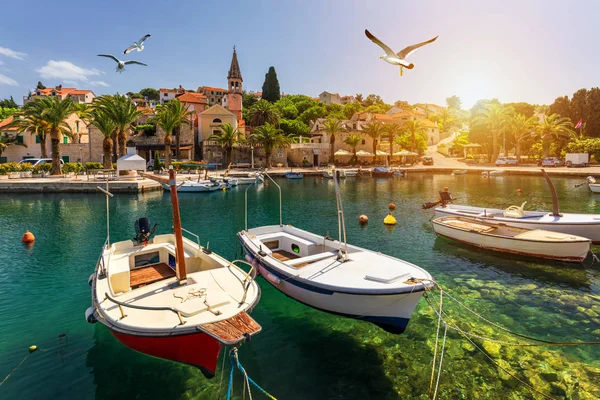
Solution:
(438, 221)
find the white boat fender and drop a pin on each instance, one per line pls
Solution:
(89, 316)
(91, 279)
(273, 279)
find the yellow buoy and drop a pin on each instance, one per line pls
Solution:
(32, 348)
(28, 237)
(389, 220)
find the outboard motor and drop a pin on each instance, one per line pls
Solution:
(142, 230)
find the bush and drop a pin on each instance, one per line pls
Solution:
(130, 143)
(114, 165)
(176, 165)
(157, 165)
(305, 163)
(10, 167)
(75, 167)
(470, 156)
(46, 167)
(93, 165)
(24, 167)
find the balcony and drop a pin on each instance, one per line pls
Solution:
(309, 146)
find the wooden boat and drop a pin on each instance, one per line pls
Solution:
(514, 240)
(382, 172)
(294, 175)
(199, 186)
(493, 173)
(459, 172)
(333, 276)
(585, 225)
(328, 173)
(169, 297)
(353, 173)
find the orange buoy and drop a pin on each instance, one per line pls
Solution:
(445, 188)
(28, 237)
(363, 219)
(392, 206)
(519, 191)
(266, 183)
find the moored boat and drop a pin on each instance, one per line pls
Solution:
(294, 175)
(198, 186)
(171, 298)
(353, 173)
(328, 173)
(382, 172)
(459, 172)
(496, 236)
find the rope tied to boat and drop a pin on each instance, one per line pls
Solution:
(192, 294)
(235, 362)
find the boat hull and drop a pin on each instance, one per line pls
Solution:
(594, 187)
(574, 251)
(390, 311)
(568, 223)
(194, 188)
(197, 349)
(382, 174)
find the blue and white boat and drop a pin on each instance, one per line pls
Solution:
(333, 276)
(294, 175)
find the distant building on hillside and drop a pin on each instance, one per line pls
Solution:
(428, 109)
(214, 95)
(78, 96)
(347, 99)
(330, 98)
(167, 95)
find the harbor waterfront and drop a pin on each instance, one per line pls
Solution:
(301, 352)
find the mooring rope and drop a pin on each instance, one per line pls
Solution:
(437, 336)
(15, 368)
(235, 362)
(437, 382)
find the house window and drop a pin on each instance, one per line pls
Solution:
(66, 158)
(65, 140)
(53, 93)
(27, 157)
(76, 126)
(165, 94)
(3, 160)
(38, 93)
(363, 141)
(37, 139)
(217, 121)
(212, 92)
(216, 132)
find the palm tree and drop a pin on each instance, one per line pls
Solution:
(263, 112)
(84, 112)
(54, 112)
(30, 119)
(170, 117)
(494, 117)
(353, 141)
(270, 137)
(554, 127)
(227, 138)
(414, 128)
(332, 126)
(392, 131)
(123, 112)
(373, 129)
(9, 140)
(107, 126)
(522, 128)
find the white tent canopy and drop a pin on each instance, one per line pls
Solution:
(404, 153)
(362, 153)
(342, 152)
(131, 162)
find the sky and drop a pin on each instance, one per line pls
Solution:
(531, 51)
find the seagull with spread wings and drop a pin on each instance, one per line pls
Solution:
(139, 45)
(121, 64)
(397, 58)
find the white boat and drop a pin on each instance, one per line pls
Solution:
(354, 173)
(333, 276)
(493, 173)
(497, 236)
(328, 173)
(197, 186)
(594, 187)
(586, 225)
(459, 172)
(169, 297)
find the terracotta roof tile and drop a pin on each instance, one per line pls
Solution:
(6, 122)
(190, 97)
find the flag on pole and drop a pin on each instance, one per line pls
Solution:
(579, 124)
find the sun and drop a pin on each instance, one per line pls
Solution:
(476, 83)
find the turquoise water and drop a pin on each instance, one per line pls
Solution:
(302, 353)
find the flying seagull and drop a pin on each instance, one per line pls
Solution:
(121, 64)
(139, 45)
(397, 58)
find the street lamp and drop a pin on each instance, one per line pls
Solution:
(252, 156)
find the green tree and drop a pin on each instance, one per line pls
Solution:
(522, 128)
(9, 140)
(392, 131)
(227, 138)
(286, 108)
(353, 141)
(294, 127)
(263, 112)
(133, 95)
(408, 142)
(248, 99)
(270, 137)
(374, 130)
(123, 112)
(6, 112)
(169, 117)
(494, 117)
(40, 85)
(454, 102)
(150, 93)
(522, 108)
(552, 128)
(332, 127)
(312, 114)
(270, 89)
(107, 127)
(372, 99)
(54, 112)
(414, 129)
(30, 119)
(8, 103)
(352, 108)
(359, 97)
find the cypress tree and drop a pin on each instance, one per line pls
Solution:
(270, 90)
(40, 85)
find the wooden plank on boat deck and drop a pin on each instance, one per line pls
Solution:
(234, 328)
(150, 274)
(283, 255)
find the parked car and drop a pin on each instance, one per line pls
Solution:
(150, 163)
(506, 161)
(552, 162)
(38, 161)
(427, 160)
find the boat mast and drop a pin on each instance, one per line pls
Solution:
(342, 253)
(108, 195)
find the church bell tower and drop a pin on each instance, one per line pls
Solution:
(234, 87)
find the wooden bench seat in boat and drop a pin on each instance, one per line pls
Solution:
(542, 235)
(150, 274)
(234, 328)
(470, 226)
(310, 259)
(283, 255)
